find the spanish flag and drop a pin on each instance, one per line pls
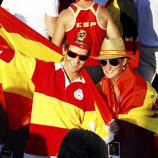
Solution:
(18, 36)
(138, 101)
(18, 95)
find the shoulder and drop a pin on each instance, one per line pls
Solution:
(103, 15)
(66, 14)
(103, 11)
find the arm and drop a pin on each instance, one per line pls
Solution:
(64, 22)
(107, 22)
(51, 15)
(50, 24)
(16, 69)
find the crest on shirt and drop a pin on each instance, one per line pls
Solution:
(78, 94)
(81, 35)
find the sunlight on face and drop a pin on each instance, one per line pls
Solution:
(113, 72)
(74, 64)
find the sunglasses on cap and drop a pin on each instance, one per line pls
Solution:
(113, 62)
(74, 55)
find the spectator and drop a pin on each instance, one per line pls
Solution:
(40, 15)
(148, 38)
(79, 143)
(91, 17)
(61, 99)
(131, 98)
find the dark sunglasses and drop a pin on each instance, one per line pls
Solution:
(113, 62)
(74, 55)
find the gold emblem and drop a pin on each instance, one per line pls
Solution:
(81, 35)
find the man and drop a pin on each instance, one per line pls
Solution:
(148, 37)
(61, 99)
(92, 18)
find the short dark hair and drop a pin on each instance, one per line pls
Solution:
(79, 143)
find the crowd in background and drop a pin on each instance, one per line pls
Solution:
(124, 20)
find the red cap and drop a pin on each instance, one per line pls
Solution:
(81, 39)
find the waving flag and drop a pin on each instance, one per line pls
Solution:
(20, 37)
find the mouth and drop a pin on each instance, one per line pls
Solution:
(109, 71)
(74, 66)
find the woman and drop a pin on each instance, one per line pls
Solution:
(131, 99)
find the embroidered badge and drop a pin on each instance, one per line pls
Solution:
(78, 94)
(81, 35)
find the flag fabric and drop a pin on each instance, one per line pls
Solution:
(20, 37)
(138, 103)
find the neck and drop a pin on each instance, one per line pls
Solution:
(72, 76)
(115, 88)
(84, 4)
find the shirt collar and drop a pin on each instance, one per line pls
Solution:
(67, 82)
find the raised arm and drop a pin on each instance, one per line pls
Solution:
(64, 22)
(106, 20)
(50, 24)
(51, 14)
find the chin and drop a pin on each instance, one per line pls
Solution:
(109, 76)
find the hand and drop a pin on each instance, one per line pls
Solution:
(114, 127)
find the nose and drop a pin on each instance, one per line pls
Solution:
(108, 66)
(77, 60)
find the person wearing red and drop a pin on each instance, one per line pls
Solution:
(91, 17)
(132, 100)
(61, 96)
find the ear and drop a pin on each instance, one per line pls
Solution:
(125, 61)
(64, 49)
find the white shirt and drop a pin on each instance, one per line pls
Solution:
(32, 12)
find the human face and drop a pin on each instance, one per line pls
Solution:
(74, 58)
(113, 68)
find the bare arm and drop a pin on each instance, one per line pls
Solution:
(64, 22)
(107, 22)
(51, 25)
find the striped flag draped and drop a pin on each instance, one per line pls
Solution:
(20, 37)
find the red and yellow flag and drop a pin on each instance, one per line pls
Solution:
(19, 36)
(138, 100)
